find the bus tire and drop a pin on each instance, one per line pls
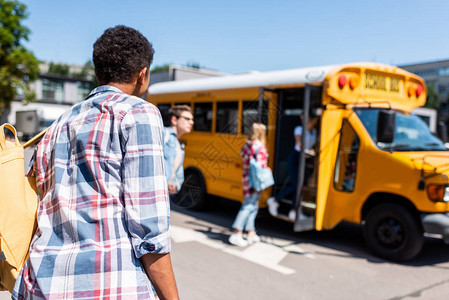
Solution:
(391, 231)
(193, 191)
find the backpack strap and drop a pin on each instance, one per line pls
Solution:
(31, 142)
(256, 152)
(2, 135)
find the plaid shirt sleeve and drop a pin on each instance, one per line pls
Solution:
(146, 200)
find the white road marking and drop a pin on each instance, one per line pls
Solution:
(267, 254)
(183, 235)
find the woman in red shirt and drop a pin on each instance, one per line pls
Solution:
(245, 219)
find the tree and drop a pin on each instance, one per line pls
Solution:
(58, 69)
(433, 98)
(161, 68)
(87, 72)
(18, 66)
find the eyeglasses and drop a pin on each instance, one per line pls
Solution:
(187, 118)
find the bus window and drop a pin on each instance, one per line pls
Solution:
(227, 117)
(163, 108)
(411, 133)
(346, 164)
(203, 117)
(250, 114)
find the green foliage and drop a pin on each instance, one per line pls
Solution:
(432, 98)
(18, 66)
(88, 72)
(166, 67)
(162, 68)
(58, 69)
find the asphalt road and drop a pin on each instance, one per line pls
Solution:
(286, 265)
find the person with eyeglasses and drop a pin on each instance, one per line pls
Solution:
(181, 122)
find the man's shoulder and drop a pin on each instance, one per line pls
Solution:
(130, 102)
(169, 130)
(113, 97)
(170, 137)
(135, 107)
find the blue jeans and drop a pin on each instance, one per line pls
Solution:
(246, 216)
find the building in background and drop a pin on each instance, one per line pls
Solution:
(60, 86)
(176, 73)
(435, 74)
(55, 93)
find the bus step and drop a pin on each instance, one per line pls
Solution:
(304, 223)
(284, 218)
(311, 205)
(286, 201)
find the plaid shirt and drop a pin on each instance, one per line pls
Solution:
(247, 152)
(102, 201)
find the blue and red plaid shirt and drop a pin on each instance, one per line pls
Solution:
(247, 152)
(103, 201)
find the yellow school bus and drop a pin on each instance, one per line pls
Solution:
(375, 163)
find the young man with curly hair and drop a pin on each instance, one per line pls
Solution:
(103, 211)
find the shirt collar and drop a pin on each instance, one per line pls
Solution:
(104, 88)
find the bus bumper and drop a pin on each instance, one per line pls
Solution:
(436, 224)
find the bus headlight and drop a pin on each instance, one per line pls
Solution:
(438, 192)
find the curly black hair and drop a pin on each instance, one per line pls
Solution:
(120, 53)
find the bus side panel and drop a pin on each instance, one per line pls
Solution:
(326, 216)
(219, 161)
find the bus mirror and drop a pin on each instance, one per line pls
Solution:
(386, 123)
(442, 131)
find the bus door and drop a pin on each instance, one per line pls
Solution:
(292, 104)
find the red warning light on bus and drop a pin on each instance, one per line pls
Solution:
(342, 81)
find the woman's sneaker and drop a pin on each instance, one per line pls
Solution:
(237, 240)
(253, 238)
(272, 206)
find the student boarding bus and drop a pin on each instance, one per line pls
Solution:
(375, 163)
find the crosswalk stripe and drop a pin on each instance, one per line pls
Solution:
(268, 253)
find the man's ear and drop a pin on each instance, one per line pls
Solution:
(173, 121)
(142, 75)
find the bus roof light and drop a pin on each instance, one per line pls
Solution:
(410, 91)
(342, 81)
(418, 91)
(353, 83)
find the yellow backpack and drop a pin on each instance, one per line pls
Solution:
(18, 206)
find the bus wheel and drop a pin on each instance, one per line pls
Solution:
(391, 231)
(193, 191)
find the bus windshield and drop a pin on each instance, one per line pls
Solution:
(411, 133)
